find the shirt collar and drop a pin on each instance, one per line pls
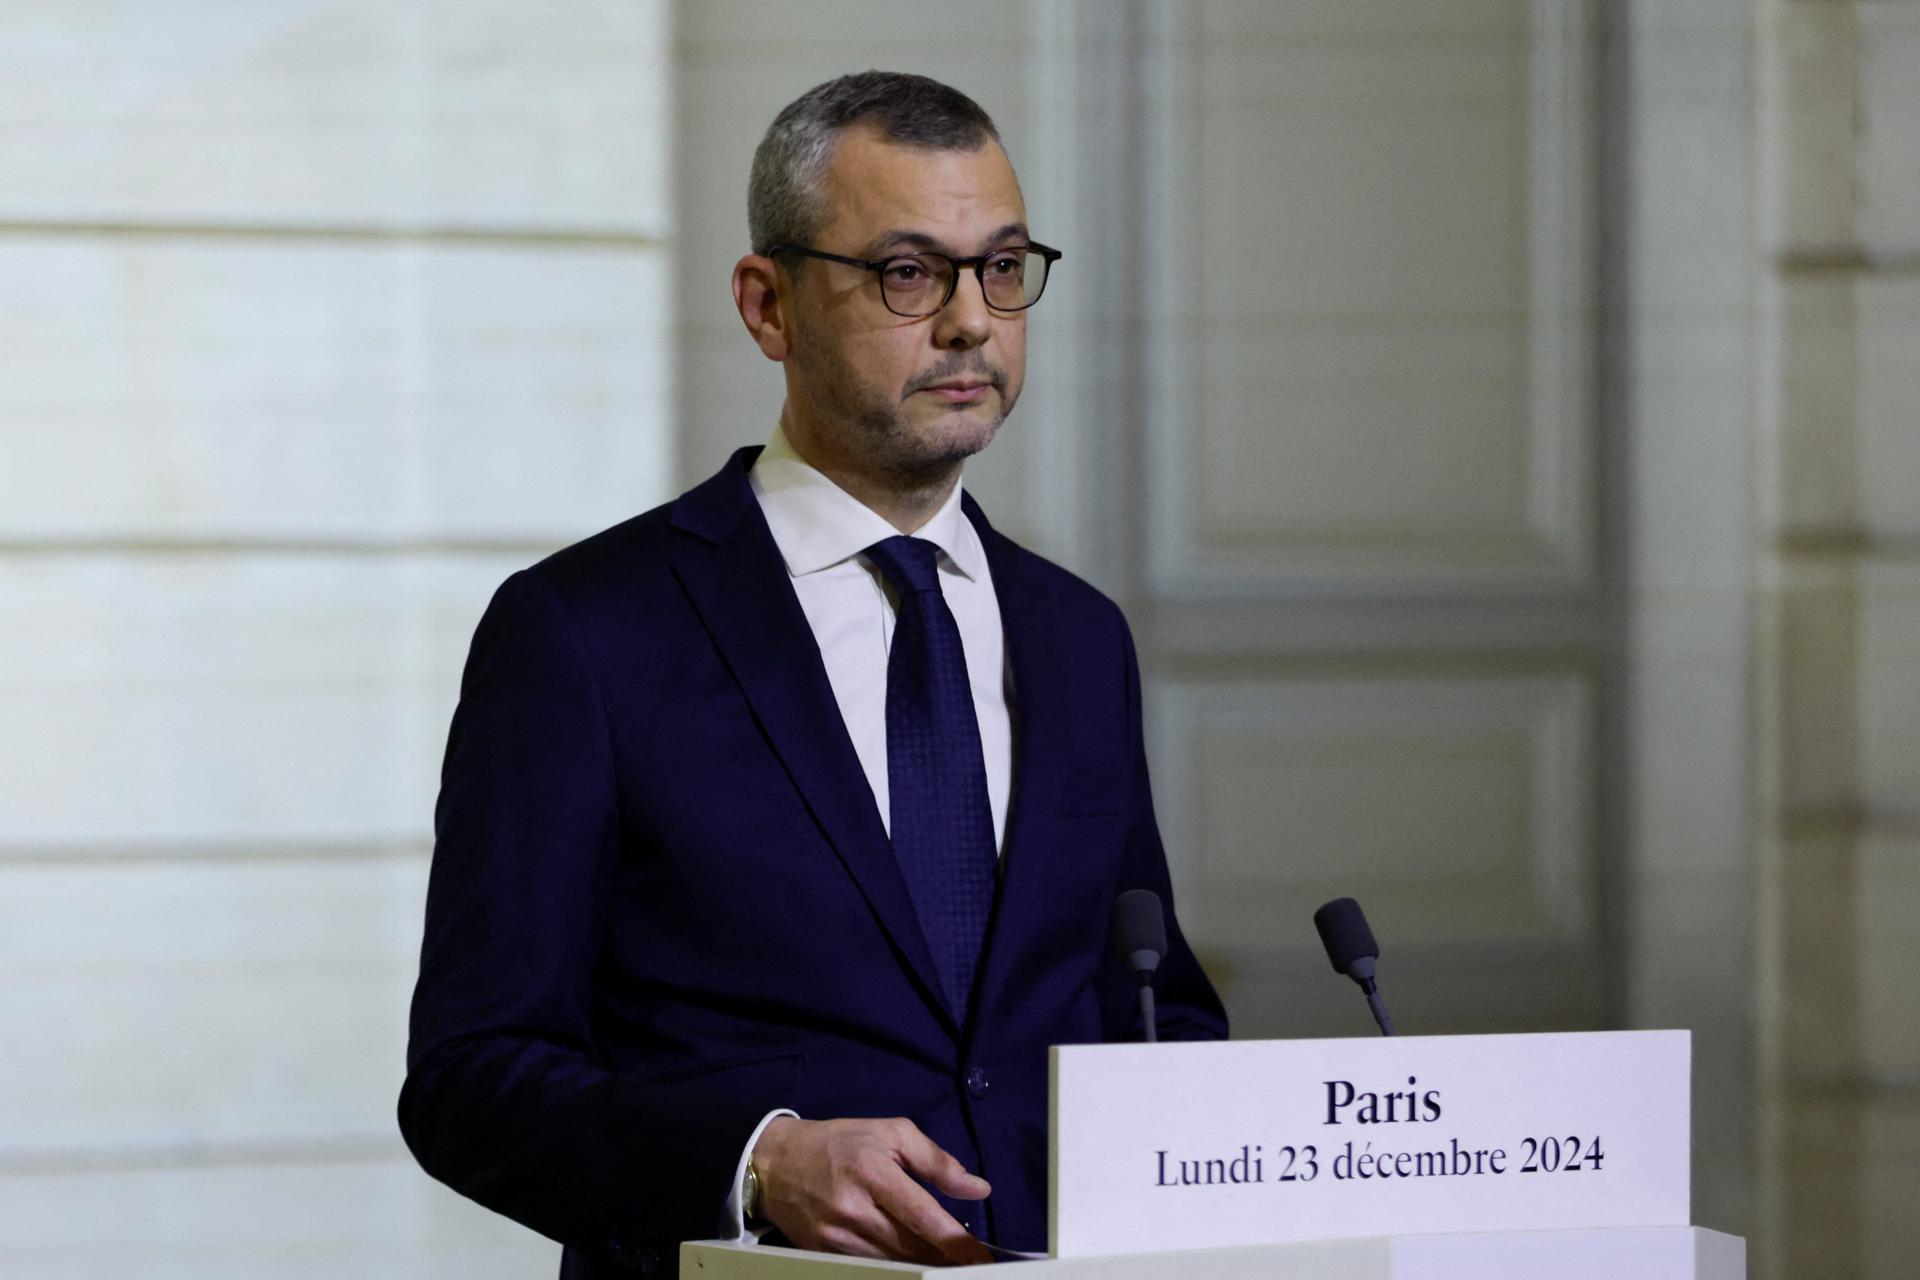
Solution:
(816, 524)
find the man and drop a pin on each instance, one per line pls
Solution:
(780, 826)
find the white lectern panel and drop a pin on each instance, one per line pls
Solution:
(1191, 1146)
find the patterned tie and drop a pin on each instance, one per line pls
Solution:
(942, 824)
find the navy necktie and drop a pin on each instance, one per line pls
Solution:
(941, 821)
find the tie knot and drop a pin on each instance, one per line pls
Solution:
(912, 565)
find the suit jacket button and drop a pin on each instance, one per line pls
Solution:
(977, 1082)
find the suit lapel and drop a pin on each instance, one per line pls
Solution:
(1039, 693)
(732, 571)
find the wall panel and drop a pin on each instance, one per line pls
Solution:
(1818, 646)
(342, 113)
(161, 701)
(1889, 689)
(1819, 479)
(370, 1215)
(204, 1004)
(1373, 360)
(1457, 807)
(1889, 403)
(1889, 146)
(207, 388)
(1889, 955)
(1457, 810)
(1810, 103)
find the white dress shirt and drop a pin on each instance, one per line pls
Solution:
(821, 529)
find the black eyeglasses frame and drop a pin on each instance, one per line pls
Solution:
(979, 265)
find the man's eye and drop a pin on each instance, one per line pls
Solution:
(905, 273)
(1006, 264)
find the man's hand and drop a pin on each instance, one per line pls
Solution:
(847, 1186)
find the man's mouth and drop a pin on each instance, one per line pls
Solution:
(959, 391)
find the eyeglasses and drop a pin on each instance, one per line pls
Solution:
(919, 284)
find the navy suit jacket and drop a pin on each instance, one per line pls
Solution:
(663, 903)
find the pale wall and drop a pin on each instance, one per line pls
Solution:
(317, 318)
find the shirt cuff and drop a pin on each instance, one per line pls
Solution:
(733, 1217)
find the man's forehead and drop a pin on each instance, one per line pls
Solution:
(953, 199)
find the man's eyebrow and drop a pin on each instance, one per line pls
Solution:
(898, 237)
(1008, 232)
(901, 238)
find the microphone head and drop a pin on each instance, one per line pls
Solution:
(1139, 929)
(1344, 933)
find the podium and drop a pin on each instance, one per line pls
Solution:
(1637, 1253)
(1506, 1157)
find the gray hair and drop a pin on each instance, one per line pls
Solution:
(786, 196)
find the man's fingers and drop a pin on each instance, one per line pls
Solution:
(925, 1158)
(881, 1236)
(849, 1186)
(837, 1239)
(908, 1204)
(856, 1223)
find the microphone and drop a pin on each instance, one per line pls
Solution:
(1140, 939)
(1350, 945)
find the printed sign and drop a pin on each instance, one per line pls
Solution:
(1187, 1146)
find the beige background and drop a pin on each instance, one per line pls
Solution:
(1498, 418)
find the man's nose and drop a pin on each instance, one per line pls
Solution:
(965, 321)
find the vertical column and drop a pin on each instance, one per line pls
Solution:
(1680, 394)
(1839, 541)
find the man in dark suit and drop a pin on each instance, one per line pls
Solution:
(780, 826)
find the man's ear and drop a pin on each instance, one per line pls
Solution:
(757, 294)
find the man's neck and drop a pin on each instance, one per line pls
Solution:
(906, 502)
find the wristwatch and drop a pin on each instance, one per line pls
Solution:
(750, 1193)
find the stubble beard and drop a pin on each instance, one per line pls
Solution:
(876, 432)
